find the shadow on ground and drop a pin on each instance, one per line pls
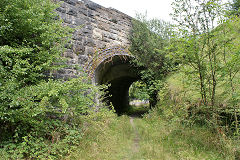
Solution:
(136, 111)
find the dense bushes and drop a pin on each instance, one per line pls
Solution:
(43, 118)
(39, 118)
(31, 39)
(149, 42)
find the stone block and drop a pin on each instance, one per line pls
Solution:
(89, 50)
(83, 11)
(82, 59)
(80, 21)
(97, 34)
(86, 31)
(91, 5)
(89, 42)
(101, 44)
(61, 10)
(106, 40)
(77, 37)
(72, 12)
(71, 61)
(101, 28)
(90, 13)
(78, 48)
(71, 2)
(69, 54)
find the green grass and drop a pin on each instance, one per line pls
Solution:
(110, 140)
(158, 139)
(166, 133)
(165, 140)
(181, 88)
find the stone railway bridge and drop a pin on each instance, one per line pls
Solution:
(100, 46)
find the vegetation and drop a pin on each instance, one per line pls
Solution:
(209, 54)
(202, 51)
(203, 46)
(152, 137)
(234, 8)
(149, 40)
(40, 118)
(138, 91)
(189, 73)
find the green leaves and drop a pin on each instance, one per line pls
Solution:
(48, 108)
(31, 39)
(150, 41)
(207, 46)
(234, 8)
(138, 91)
(31, 107)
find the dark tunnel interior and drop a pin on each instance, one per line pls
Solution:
(120, 74)
(119, 93)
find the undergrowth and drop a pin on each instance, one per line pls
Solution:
(166, 140)
(46, 121)
(159, 138)
(110, 138)
(177, 128)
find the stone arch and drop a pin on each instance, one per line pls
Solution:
(112, 66)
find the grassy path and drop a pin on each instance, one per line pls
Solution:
(149, 138)
(135, 147)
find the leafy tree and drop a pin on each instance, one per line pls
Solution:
(230, 70)
(149, 42)
(44, 120)
(197, 46)
(234, 7)
(31, 39)
(207, 44)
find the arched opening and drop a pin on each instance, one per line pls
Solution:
(120, 74)
(138, 94)
(139, 98)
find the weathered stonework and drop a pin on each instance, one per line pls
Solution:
(96, 27)
(107, 31)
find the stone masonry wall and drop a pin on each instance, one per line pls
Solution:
(101, 28)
